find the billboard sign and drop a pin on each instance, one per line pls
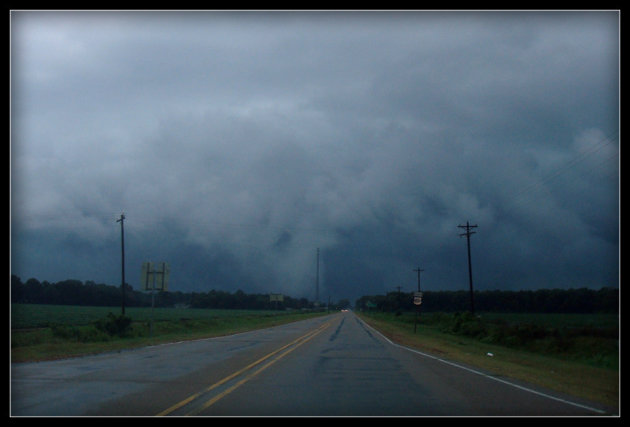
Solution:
(276, 297)
(155, 276)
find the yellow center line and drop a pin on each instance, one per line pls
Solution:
(252, 375)
(194, 396)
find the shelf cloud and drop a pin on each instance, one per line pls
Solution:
(237, 143)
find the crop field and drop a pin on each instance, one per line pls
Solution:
(567, 320)
(44, 332)
(28, 316)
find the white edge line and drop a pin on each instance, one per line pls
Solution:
(483, 374)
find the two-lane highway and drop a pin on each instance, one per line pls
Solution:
(330, 366)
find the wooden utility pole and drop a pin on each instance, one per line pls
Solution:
(317, 281)
(468, 233)
(122, 241)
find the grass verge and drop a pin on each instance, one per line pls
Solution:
(563, 374)
(67, 337)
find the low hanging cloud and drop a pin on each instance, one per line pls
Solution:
(237, 144)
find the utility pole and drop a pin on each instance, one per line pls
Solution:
(418, 270)
(468, 233)
(122, 241)
(317, 281)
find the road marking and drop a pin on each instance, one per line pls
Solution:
(295, 343)
(430, 356)
(252, 375)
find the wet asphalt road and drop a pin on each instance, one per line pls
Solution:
(330, 366)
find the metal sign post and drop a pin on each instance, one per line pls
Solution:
(152, 279)
(417, 300)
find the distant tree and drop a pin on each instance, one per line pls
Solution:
(17, 289)
(34, 291)
(74, 292)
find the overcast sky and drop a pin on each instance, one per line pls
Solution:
(237, 143)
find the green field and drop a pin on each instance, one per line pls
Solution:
(44, 332)
(26, 316)
(568, 320)
(577, 354)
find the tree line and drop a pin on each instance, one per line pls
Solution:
(75, 292)
(581, 300)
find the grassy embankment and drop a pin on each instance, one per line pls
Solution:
(46, 332)
(574, 354)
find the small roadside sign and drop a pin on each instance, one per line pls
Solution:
(417, 298)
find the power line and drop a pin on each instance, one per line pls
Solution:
(521, 195)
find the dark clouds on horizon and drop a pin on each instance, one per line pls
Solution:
(237, 144)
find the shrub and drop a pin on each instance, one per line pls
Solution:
(65, 332)
(91, 334)
(114, 325)
(473, 328)
(81, 334)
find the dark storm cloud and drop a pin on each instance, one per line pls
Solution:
(238, 143)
